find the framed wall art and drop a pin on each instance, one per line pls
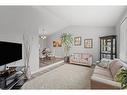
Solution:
(88, 43)
(77, 41)
(57, 43)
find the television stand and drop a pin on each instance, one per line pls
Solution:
(12, 79)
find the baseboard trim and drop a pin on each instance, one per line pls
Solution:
(80, 65)
(47, 67)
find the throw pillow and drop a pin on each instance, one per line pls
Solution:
(104, 63)
(77, 55)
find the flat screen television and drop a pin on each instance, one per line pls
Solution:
(10, 52)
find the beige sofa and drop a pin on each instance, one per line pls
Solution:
(103, 78)
(81, 58)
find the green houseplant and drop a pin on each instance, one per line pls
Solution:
(122, 78)
(67, 40)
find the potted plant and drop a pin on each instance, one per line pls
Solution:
(67, 40)
(122, 78)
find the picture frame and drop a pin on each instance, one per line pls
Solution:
(88, 43)
(57, 43)
(77, 41)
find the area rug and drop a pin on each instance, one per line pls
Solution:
(66, 76)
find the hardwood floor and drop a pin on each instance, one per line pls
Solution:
(47, 62)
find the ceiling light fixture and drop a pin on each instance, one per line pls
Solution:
(42, 33)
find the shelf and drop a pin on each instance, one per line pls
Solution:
(108, 47)
(14, 82)
(108, 53)
(11, 80)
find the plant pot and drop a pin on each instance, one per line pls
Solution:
(66, 59)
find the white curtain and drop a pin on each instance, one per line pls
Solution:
(123, 41)
(27, 51)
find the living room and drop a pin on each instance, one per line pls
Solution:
(80, 28)
(85, 24)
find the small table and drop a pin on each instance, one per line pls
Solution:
(10, 81)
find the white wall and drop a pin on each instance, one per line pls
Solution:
(86, 33)
(17, 20)
(11, 37)
(119, 38)
(9, 30)
(50, 21)
(14, 21)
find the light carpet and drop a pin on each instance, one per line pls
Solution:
(67, 76)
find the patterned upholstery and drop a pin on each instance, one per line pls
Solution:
(81, 58)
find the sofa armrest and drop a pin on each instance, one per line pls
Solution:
(71, 58)
(100, 83)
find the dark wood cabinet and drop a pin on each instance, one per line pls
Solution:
(108, 47)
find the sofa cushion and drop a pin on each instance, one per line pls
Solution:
(85, 55)
(103, 72)
(104, 63)
(112, 63)
(75, 60)
(102, 76)
(86, 59)
(115, 67)
(83, 61)
(98, 67)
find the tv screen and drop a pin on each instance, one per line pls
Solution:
(10, 52)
